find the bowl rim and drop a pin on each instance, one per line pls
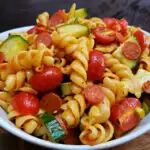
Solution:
(32, 139)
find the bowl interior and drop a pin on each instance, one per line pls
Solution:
(143, 126)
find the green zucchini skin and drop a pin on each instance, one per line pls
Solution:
(12, 46)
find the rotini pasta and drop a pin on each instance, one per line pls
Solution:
(75, 76)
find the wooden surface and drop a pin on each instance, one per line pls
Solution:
(10, 142)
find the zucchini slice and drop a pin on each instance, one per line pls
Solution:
(12, 46)
(55, 131)
(76, 30)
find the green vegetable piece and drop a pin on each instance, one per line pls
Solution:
(66, 89)
(118, 54)
(12, 46)
(76, 30)
(82, 13)
(145, 107)
(55, 131)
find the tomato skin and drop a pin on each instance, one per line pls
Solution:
(124, 26)
(50, 102)
(57, 18)
(102, 37)
(123, 114)
(45, 38)
(2, 57)
(140, 38)
(48, 79)
(96, 65)
(72, 137)
(93, 94)
(25, 103)
(37, 29)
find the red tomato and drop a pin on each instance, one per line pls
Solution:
(119, 37)
(124, 26)
(37, 29)
(51, 102)
(93, 94)
(140, 38)
(131, 50)
(112, 23)
(104, 36)
(25, 103)
(48, 79)
(2, 57)
(96, 65)
(57, 18)
(45, 38)
(123, 115)
(72, 137)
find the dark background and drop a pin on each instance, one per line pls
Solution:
(16, 13)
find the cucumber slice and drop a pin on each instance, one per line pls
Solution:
(12, 46)
(76, 30)
(82, 13)
(118, 54)
(55, 131)
(66, 89)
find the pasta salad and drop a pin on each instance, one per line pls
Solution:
(76, 80)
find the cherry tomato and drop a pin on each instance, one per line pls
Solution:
(2, 57)
(45, 38)
(25, 103)
(96, 65)
(119, 37)
(51, 102)
(48, 79)
(131, 50)
(146, 87)
(124, 26)
(112, 23)
(104, 36)
(140, 38)
(72, 137)
(37, 29)
(57, 18)
(93, 94)
(123, 114)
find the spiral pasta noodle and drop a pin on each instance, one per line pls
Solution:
(97, 133)
(42, 19)
(28, 59)
(30, 124)
(121, 70)
(73, 109)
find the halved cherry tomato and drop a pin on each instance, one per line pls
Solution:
(112, 23)
(50, 102)
(25, 103)
(104, 36)
(93, 94)
(140, 38)
(119, 37)
(37, 29)
(72, 137)
(2, 57)
(131, 50)
(45, 38)
(57, 18)
(124, 26)
(123, 114)
(96, 65)
(48, 79)
(146, 87)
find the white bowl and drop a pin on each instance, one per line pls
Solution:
(143, 127)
